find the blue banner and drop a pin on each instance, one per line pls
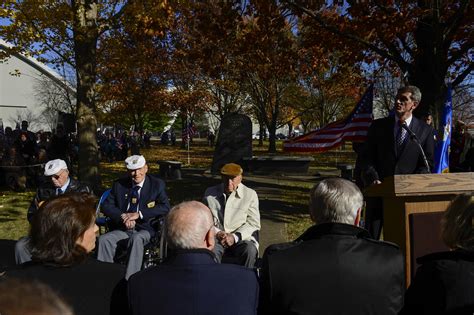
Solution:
(442, 147)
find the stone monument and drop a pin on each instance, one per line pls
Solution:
(234, 141)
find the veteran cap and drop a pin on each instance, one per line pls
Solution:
(135, 162)
(231, 169)
(54, 167)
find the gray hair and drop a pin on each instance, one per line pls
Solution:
(335, 200)
(187, 225)
(458, 223)
(415, 92)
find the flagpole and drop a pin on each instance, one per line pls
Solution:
(189, 163)
(188, 136)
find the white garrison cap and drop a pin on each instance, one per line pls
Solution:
(54, 167)
(135, 162)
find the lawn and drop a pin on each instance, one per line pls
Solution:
(285, 202)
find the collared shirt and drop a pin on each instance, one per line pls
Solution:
(223, 202)
(64, 187)
(397, 125)
(138, 193)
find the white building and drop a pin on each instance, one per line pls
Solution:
(21, 78)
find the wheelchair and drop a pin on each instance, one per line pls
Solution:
(154, 252)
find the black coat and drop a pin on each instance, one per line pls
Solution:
(48, 191)
(191, 282)
(382, 158)
(443, 284)
(91, 287)
(332, 269)
(153, 202)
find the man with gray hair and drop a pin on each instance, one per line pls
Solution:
(335, 267)
(396, 144)
(190, 281)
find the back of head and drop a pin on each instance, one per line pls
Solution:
(18, 297)
(458, 224)
(187, 225)
(57, 226)
(335, 200)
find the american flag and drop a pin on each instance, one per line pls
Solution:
(188, 131)
(352, 128)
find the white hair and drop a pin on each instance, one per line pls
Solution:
(335, 200)
(187, 225)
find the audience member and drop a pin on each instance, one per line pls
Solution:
(19, 297)
(236, 216)
(60, 145)
(132, 203)
(335, 267)
(191, 281)
(62, 236)
(59, 183)
(13, 169)
(444, 283)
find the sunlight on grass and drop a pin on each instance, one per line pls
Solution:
(13, 208)
(285, 201)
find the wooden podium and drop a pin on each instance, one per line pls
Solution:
(404, 195)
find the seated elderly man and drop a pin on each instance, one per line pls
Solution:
(236, 216)
(59, 183)
(335, 267)
(132, 203)
(191, 281)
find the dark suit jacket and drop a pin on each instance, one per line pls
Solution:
(191, 282)
(444, 284)
(91, 287)
(48, 191)
(332, 269)
(153, 202)
(382, 158)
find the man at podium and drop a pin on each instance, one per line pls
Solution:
(398, 144)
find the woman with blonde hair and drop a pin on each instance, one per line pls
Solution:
(444, 283)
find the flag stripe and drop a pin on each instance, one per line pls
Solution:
(352, 128)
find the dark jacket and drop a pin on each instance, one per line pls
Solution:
(382, 158)
(444, 284)
(332, 268)
(153, 202)
(48, 191)
(191, 282)
(91, 287)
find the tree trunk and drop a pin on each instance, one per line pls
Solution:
(290, 129)
(85, 46)
(430, 66)
(272, 138)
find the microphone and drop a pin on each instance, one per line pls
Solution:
(413, 136)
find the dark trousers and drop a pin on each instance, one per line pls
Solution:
(374, 217)
(243, 253)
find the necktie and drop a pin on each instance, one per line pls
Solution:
(59, 192)
(401, 136)
(134, 199)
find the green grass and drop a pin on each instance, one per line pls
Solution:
(13, 208)
(285, 201)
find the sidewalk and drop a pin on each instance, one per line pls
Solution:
(274, 209)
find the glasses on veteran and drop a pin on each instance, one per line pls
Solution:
(57, 176)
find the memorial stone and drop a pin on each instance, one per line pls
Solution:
(234, 141)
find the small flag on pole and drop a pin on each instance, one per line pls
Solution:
(188, 131)
(442, 147)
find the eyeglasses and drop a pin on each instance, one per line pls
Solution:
(57, 176)
(403, 100)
